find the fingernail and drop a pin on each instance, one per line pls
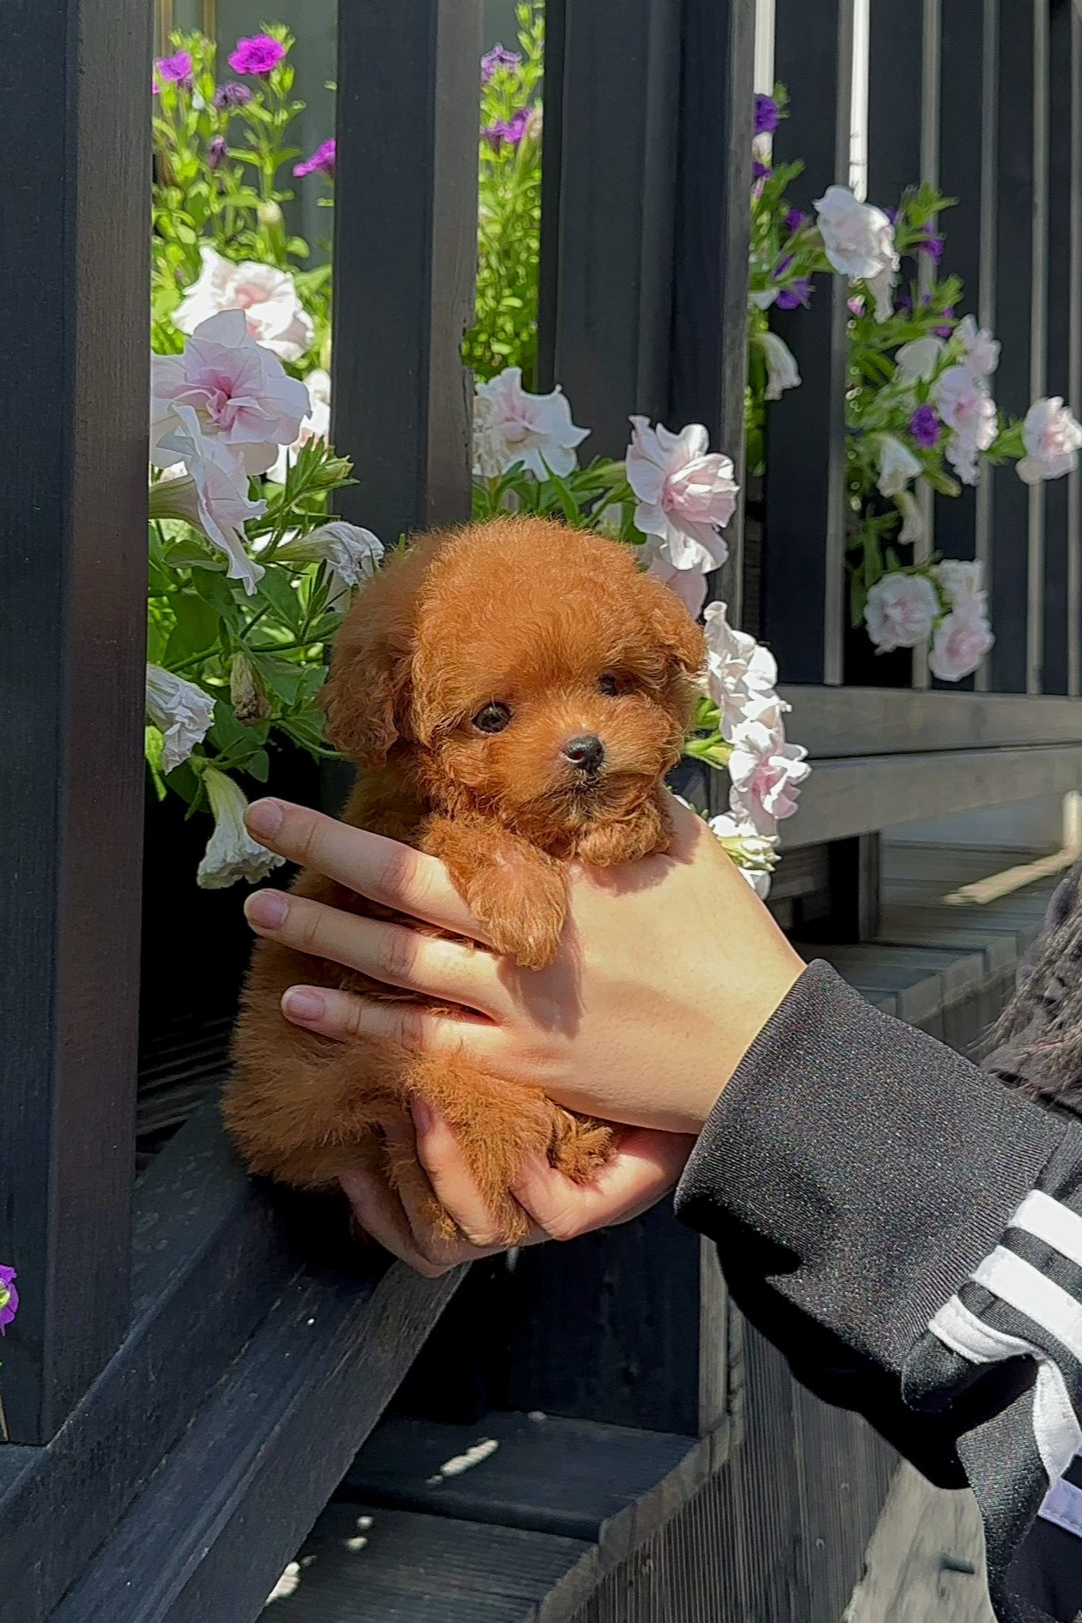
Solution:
(423, 1115)
(267, 908)
(265, 818)
(301, 1003)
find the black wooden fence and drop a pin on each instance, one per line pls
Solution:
(192, 1372)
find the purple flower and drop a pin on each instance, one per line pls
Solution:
(510, 134)
(760, 170)
(498, 58)
(175, 69)
(9, 1297)
(904, 304)
(766, 115)
(930, 244)
(791, 298)
(892, 215)
(258, 55)
(231, 95)
(217, 151)
(781, 267)
(321, 162)
(795, 220)
(924, 427)
(948, 316)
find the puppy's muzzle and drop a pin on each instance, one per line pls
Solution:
(586, 754)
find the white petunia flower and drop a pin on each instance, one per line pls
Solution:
(231, 852)
(961, 642)
(781, 367)
(963, 402)
(897, 465)
(240, 392)
(1052, 439)
(272, 308)
(920, 360)
(351, 553)
(979, 349)
(315, 426)
(912, 523)
(182, 712)
(686, 493)
(741, 675)
(858, 239)
(512, 426)
(214, 495)
(901, 611)
(766, 774)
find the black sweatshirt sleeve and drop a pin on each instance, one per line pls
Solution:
(909, 1233)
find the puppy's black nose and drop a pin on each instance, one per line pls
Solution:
(587, 753)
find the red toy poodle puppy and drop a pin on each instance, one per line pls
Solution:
(513, 694)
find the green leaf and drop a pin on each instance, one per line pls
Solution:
(195, 632)
(277, 589)
(259, 766)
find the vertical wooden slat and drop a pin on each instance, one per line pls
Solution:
(1035, 617)
(1074, 372)
(607, 232)
(710, 246)
(74, 388)
(804, 543)
(1062, 296)
(1016, 178)
(903, 151)
(405, 256)
(968, 88)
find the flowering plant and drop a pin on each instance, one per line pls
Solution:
(222, 152)
(249, 570)
(9, 1307)
(920, 417)
(509, 218)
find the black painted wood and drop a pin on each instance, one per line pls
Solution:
(405, 255)
(861, 794)
(72, 550)
(1065, 199)
(363, 1565)
(710, 243)
(610, 162)
(967, 164)
(803, 578)
(216, 1524)
(1074, 369)
(212, 1254)
(571, 1478)
(879, 721)
(1016, 177)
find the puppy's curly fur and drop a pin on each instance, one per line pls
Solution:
(513, 694)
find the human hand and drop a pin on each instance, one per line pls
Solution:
(646, 1166)
(668, 969)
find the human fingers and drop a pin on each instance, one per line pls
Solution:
(440, 1154)
(348, 1016)
(646, 1166)
(447, 971)
(381, 869)
(381, 1215)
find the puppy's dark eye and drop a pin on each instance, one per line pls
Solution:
(492, 719)
(608, 684)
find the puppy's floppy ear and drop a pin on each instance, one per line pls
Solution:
(368, 687)
(679, 635)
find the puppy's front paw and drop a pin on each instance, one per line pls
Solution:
(521, 906)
